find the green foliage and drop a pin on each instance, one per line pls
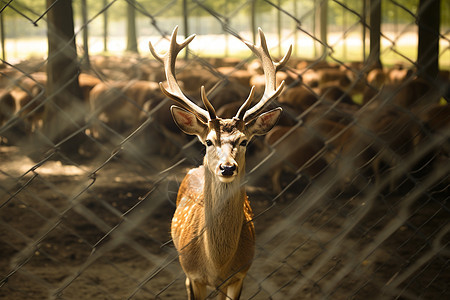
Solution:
(392, 11)
(30, 8)
(346, 12)
(445, 13)
(340, 12)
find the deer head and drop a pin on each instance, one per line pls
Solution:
(225, 139)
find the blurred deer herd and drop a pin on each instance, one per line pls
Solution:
(356, 121)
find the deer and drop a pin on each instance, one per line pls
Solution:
(212, 227)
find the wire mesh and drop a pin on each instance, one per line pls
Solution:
(349, 191)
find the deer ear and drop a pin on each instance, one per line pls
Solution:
(187, 121)
(263, 123)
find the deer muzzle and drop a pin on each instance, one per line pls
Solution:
(227, 172)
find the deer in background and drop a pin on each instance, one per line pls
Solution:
(212, 227)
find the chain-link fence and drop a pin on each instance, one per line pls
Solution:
(349, 191)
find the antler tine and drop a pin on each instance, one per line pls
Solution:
(246, 105)
(279, 65)
(208, 105)
(269, 67)
(174, 91)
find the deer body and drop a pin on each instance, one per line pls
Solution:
(212, 227)
(222, 240)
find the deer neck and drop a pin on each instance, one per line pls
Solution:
(224, 217)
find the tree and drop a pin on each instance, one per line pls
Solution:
(105, 27)
(85, 32)
(64, 109)
(428, 48)
(2, 36)
(374, 60)
(321, 20)
(131, 27)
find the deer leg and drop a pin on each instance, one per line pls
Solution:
(376, 170)
(195, 290)
(276, 177)
(234, 290)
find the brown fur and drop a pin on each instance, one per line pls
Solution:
(190, 240)
(296, 150)
(119, 105)
(212, 228)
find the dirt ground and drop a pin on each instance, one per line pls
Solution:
(68, 232)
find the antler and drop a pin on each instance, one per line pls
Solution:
(269, 67)
(174, 91)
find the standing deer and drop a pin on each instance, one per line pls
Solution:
(212, 227)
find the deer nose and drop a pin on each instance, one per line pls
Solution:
(227, 170)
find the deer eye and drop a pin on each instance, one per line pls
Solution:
(209, 143)
(244, 143)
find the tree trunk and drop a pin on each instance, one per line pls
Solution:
(428, 48)
(105, 27)
(322, 22)
(131, 27)
(84, 18)
(64, 109)
(279, 25)
(364, 27)
(186, 27)
(2, 36)
(253, 20)
(294, 8)
(374, 60)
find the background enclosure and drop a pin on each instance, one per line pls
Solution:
(350, 191)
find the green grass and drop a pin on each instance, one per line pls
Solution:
(405, 54)
(19, 49)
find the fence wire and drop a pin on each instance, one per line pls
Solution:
(349, 191)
